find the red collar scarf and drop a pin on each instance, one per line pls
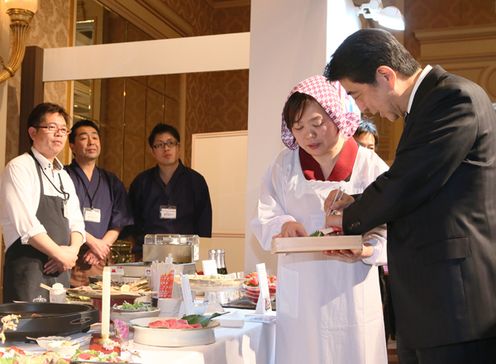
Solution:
(342, 170)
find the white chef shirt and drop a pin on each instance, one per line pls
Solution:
(20, 196)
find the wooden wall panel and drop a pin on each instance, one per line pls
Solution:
(134, 133)
(155, 104)
(112, 125)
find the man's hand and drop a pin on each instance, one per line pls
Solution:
(291, 229)
(64, 260)
(332, 203)
(90, 258)
(98, 247)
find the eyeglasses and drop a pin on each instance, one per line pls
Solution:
(168, 144)
(53, 128)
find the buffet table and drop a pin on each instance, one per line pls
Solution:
(253, 343)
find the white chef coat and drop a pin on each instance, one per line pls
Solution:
(20, 195)
(328, 311)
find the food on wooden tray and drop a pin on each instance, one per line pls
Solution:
(327, 231)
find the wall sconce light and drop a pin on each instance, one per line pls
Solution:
(389, 16)
(20, 12)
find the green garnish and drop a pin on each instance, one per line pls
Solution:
(317, 233)
(204, 320)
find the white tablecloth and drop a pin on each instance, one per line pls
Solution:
(253, 343)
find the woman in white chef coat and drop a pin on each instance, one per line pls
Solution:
(328, 306)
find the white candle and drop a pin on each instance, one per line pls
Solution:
(106, 303)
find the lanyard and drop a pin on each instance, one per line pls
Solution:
(61, 191)
(87, 192)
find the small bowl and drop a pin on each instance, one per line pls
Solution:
(61, 345)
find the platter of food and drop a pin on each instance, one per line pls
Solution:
(122, 291)
(251, 289)
(130, 311)
(212, 283)
(189, 330)
(316, 243)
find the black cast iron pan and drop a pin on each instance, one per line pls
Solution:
(49, 319)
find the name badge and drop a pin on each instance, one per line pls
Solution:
(168, 212)
(65, 210)
(91, 215)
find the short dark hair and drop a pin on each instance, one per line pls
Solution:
(80, 124)
(37, 115)
(367, 126)
(294, 108)
(162, 128)
(359, 56)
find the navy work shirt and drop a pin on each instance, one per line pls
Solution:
(187, 193)
(105, 192)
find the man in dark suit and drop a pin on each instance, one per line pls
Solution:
(438, 199)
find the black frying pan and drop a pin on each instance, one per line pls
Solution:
(48, 319)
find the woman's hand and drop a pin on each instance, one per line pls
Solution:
(291, 229)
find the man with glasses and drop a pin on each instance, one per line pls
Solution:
(169, 198)
(103, 201)
(42, 224)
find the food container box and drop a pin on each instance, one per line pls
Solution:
(315, 244)
(182, 248)
(171, 337)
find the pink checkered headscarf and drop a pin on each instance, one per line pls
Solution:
(333, 99)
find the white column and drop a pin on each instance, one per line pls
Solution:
(290, 40)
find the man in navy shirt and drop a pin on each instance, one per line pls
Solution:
(169, 198)
(103, 201)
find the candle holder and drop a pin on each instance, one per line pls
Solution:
(19, 26)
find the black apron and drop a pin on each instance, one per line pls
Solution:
(23, 269)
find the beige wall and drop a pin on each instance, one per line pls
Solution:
(52, 26)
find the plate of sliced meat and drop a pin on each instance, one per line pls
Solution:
(172, 331)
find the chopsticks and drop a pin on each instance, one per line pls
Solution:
(337, 197)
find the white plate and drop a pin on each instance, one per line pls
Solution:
(171, 337)
(131, 315)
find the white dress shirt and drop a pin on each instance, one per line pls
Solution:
(20, 196)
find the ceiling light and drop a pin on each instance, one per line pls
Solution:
(389, 17)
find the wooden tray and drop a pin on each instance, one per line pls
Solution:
(316, 243)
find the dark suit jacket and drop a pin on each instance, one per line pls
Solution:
(439, 201)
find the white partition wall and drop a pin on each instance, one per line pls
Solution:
(290, 40)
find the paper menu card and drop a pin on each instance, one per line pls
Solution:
(316, 243)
